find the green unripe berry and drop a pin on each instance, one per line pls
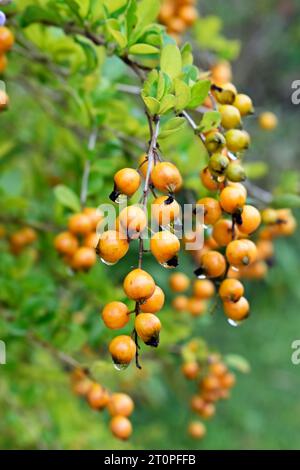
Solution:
(226, 94)
(214, 141)
(244, 104)
(218, 163)
(230, 116)
(237, 140)
(235, 172)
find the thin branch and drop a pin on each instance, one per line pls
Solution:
(193, 125)
(258, 193)
(87, 168)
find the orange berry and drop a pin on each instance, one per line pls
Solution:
(179, 282)
(120, 404)
(165, 210)
(196, 430)
(127, 181)
(79, 224)
(84, 258)
(218, 369)
(232, 199)
(210, 382)
(208, 180)
(227, 380)
(237, 140)
(227, 93)
(207, 411)
(203, 289)
(165, 246)
(212, 210)
(197, 403)
(188, 14)
(143, 165)
(265, 249)
(230, 116)
(166, 12)
(241, 252)
(190, 370)
(155, 302)
(66, 243)
(3, 63)
(224, 232)
(221, 72)
(250, 218)
(121, 427)
(82, 387)
(244, 104)
(236, 311)
(91, 240)
(4, 100)
(112, 246)
(196, 307)
(115, 315)
(132, 221)
(29, 235)
(148, 326)
(6, 39)
(180, 303)
(97, 397)
(231, 290)
(122, 349)
(213, 264)
(268, 121)
(138, 285)
(176, 25)
(95, 216)
(166, 177)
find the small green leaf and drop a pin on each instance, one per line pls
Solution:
(210, 120)
(173, 125)
(90, 53)
(161, 86)
(238, 362)
(170, 61)
(67, 197)
(147, 11)
(152, 104)
(255, 170)
(186, 54)
(182, 94)
(283, 201)
(143, 49)
(113, 27)
(167, 103)
(35, 14)
(198, 93)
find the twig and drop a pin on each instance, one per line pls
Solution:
(258, 193)
(87, 168)
(193, 125)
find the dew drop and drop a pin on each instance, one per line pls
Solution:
(107, 263)
(201, 276)
(167, 266)
(121, 199)
(233, 322)
(120, 366)
(234, 268)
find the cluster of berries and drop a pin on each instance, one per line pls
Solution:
(21, 239)
(77, 245)
(178, 15)
(119, 405)
(196, 304)
(6, 43)
(214, 382)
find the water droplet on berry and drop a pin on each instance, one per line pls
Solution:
(120, 366)
(167, 266)
(233, 322)
(107, 262)
(121, 199)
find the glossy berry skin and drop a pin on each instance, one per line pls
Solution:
(227, 94)
(235, 172)
(94, 215)
(66, 243)
(190, 370)
(230, 116)
(214, 141)
(121, 427)
(232, 199)
(166, 177)
(164, 212)
(82, 387)
(251, 219)
(228, 380)
(244, 104)
(231, 290)
(237, 140)
(138, 285)
(3, 63)
(213, 264)
(91, 240)
(218, 369)
(164, 246)
(84, 258)
(196, 307)
(212, 210)
(268, 121)
(115, 315)
(120, 404)
(218, 164)
(154, 303)
(97, 397)
(208, 180)
(112, 246)
(148, 326)
(122, 349)
(203, 289)
(236, 311)
(180, 303)
(179, 282)
(132, 221)
(210, 382)
(196, 430)
(6, 39)
(241, 252)
(79, 224)
(127, 181)
(223, 232)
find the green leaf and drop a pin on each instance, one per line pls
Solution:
(186, 54)
(167, 103)
(161, 86)
(152, 104)
(255, 170)
(173, 125)
(238, 362)
(90, 53)
(198, 93)
(170, 61)
(113, 27)
(283, 201)
(67, 197)
(143, 49)
(147, 12)
(182, 94)
(210, 120)
(35, 14)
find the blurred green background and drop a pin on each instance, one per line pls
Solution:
(38, 410)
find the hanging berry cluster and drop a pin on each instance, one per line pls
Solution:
(178, 15)
(6, 43)
(119, 405)
(19, 239)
